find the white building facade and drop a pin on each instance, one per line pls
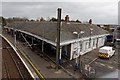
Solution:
(85, 45)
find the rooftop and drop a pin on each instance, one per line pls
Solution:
(48, 30)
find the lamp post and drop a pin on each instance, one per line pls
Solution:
(78, 36)
(91, 31)
(81, 32)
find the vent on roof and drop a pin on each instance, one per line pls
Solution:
(76, 33)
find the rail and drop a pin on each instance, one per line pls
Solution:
(14, 63)
(30, 62)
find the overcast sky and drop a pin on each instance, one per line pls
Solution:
(100, 12)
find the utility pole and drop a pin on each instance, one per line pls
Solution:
(58, 38)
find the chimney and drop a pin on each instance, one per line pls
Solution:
(66, 18)
(90, 21)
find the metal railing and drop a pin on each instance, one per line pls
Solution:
(87, 71)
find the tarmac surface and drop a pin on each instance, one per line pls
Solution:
(102, 67)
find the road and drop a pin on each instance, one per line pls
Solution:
(101, 66)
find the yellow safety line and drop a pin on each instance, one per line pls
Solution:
(30, 62)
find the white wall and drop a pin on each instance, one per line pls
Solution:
(101, 41)
(75, 47)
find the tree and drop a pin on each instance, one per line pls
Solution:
(9, 20)
(32, 20)
(78, 21)
(42, 19)
(3, 21)
(53, 19)
(48, 19)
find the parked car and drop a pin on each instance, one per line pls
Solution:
(106, 52)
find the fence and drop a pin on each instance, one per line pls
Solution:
(87, 71)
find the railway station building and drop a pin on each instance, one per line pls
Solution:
(76, 39)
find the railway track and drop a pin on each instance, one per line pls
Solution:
(12, 66)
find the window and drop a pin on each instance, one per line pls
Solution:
(109, 38)
(93, 42)
(80, 46)
(64, 50)
(86, 45)
(103, 39)
(89, 43)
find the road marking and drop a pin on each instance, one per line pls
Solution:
(92, 61)
(96, 62)
(116, 62)
(105, 65)
(102, 64)
(110, 67)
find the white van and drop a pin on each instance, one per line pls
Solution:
(106, 52)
